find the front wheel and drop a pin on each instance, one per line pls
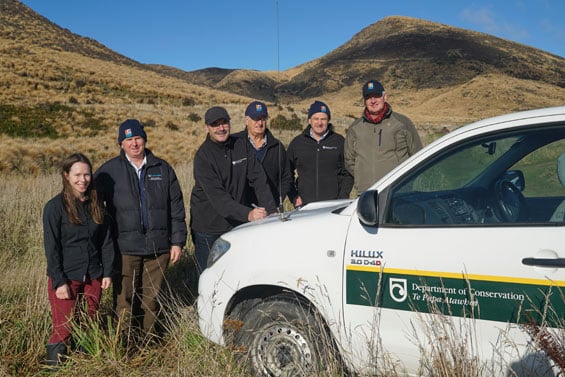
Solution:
(283, 338)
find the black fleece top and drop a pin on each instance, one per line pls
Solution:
(75, 251)
(320, 167)
(275, 163)
(224, 173)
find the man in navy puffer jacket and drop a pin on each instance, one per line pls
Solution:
(144, 199)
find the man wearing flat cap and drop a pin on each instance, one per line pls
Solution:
(268, 150)
(224, 171)
(316, 155)
(379, 140)
(144, 199)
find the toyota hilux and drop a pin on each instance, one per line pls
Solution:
(460, 249)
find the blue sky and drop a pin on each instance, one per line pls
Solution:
(281, 34)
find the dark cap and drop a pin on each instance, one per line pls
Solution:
(215, 113)
(319, 107)
(256, 110)
(373, 87)
(131, 128)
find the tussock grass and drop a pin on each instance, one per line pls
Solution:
(24, 309)
(447, 347)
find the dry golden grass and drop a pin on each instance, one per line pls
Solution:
(42, 63)
(25, 318)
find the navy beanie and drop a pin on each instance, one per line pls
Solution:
(130, 128)
(319, 107)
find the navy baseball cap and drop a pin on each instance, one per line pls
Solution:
(373, 87)
(256, 110)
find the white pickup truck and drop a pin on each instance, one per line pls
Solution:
(459, 250)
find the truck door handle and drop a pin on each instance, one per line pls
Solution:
(544, 262)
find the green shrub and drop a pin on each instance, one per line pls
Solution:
(194, 117)
(171, 126)
(282, 123)
(22, 121)
(188, 101)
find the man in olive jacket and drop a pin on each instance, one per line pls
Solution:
(379, 140)
(144, 199)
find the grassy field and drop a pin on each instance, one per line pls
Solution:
(24, 308)
(182, 351)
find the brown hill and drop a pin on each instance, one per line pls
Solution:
(22, 27)
(415, 54)
(408, 53)
(475, 74)
(63, 92)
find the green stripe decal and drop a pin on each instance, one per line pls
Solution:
(464, 295)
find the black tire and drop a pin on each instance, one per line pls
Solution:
(281, 337)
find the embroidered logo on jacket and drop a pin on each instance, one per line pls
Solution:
(155, 177)
(236, 162)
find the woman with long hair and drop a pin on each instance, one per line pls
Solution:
(79, 251)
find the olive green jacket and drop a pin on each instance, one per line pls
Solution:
(372, 150)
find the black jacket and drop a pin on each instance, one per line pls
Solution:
(275, 163)
(75, 251)
(118, 186)
(223, 175)
(320, 167)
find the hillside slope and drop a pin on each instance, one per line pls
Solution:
(63, 92)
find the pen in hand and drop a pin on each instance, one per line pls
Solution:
(256, 213)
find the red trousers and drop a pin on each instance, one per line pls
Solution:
(62, 311)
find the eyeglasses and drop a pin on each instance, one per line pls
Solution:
(375, 95)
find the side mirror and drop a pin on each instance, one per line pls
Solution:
(367, 208)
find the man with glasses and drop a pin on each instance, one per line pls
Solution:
(224, 170)
(268, 150)
(379, 140)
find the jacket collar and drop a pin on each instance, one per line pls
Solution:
(387, 115)
(151, 159)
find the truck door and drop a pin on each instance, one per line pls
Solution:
(461, 259)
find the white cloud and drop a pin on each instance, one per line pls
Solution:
(485, 20)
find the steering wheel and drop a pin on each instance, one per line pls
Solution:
(510, 201)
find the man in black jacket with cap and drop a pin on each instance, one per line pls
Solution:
(224, 171)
